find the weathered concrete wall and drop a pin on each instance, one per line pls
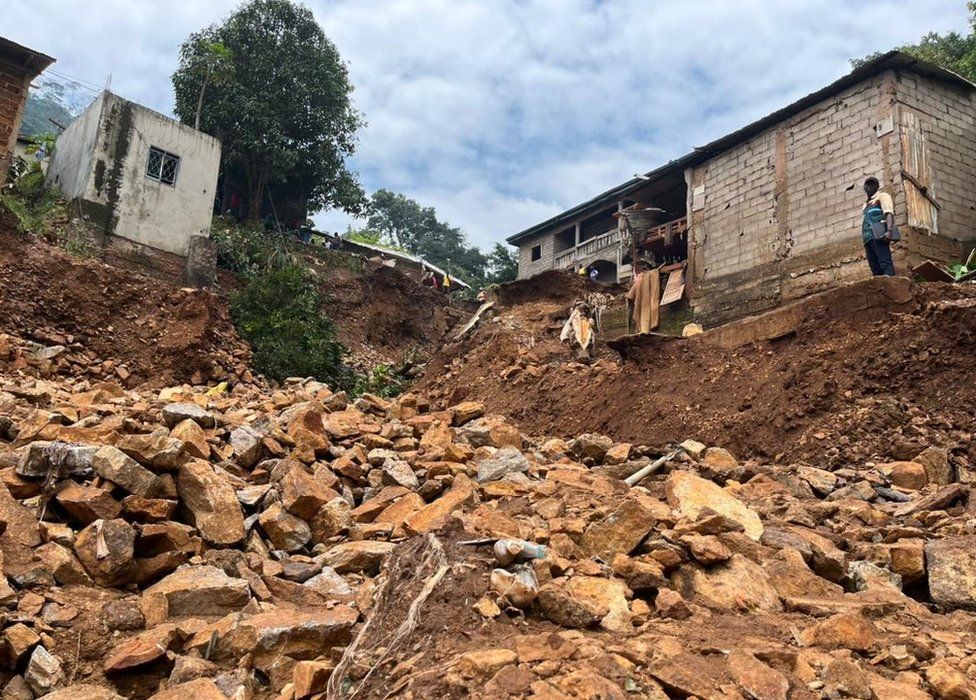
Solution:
(70, 169)
(778, 216)
(528, 267)
(117, 192)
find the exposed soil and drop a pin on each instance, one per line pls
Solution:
(826, 394)
(384, 316)
(158, 333)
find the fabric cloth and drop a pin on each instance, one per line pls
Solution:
(879, 257)
(645, 295)
(875, 210)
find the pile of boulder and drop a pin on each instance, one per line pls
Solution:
(229, 542)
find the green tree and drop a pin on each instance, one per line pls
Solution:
(502, 265)
(282, 109)
(407, 225)
(952, 51)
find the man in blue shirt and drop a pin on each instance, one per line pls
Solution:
(879, 211)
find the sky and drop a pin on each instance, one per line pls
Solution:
(502, 113)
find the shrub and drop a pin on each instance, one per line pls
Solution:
(246, 250)
(278, 313)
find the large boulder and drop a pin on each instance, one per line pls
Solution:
(738, 584)
(690, 494)
(620, 531)
(212, 501)
(106, 549)
(951, 564)
(115, 465)
(507, 460)
(193, 591)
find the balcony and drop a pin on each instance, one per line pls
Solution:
(609, 239)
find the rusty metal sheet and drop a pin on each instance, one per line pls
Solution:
(675, 287)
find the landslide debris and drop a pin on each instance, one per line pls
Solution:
(827, 394)
(290, 543)
(95, 320)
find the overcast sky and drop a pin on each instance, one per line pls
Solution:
(501, 113)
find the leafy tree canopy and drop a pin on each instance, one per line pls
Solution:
(502, 264)
(416, 229)
(952, 51)
(274, 89)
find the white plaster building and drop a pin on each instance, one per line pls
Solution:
(138, 174)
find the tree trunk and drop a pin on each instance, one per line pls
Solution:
(203, 89)
(255, 182)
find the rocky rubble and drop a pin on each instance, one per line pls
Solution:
(256, 543)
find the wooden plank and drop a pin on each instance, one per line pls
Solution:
(675, 287)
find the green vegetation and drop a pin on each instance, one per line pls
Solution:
(952, 51)
(278, 312)
(38, 209)
(398, 222)
(275, 89)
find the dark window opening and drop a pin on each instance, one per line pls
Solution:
(536, 252)
(162, 166)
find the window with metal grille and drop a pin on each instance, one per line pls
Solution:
(162, 166)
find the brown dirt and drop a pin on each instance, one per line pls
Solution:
(382, 315)
(828, 393)
(159, 333)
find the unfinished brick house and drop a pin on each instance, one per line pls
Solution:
(771, 212)
(19, 65)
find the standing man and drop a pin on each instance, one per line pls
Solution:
(594, 274)
(878, 228)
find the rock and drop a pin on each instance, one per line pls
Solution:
(193, 591)
(690, 330)
(843, 679)
(591, 446)
(866, 575)
(123, 615)
(507, 460)
(620, 531)
(44, 672)
(690, 494)
(937, 466)
(199, 689)
(820, 480)
(824, 556)
(618, 454)
(640, 574)
(693, 448)
(330, 584)
(193, 438)
(213, 503)
(906, 475)
(908, 559)
(467, 411)
(951, 564)
(18, 689)
(302, 494)
(583, 601)
(299, 634)
(719, 458)
(142, 649)
(83, 691)
(87, 503)
(491, 431)
(20, 641)
(106, 549)
(397, 472)
(432, 516)
(247, 446)
(333, 518)
(35, 461)
(178, 412)
(949, 682)
(738, 584)
(283, 529)
(161, 451)
(842, 631)
(708, 549)
(362, 555)
(310, 677)
(63, 564)
(671, 604)
(148, 510)
(791, 577)
(485, 662)
(115, 465)
(190, 668)
(758, 680)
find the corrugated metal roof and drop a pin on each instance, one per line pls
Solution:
(407, 256)
(893, 60)
(34, 60)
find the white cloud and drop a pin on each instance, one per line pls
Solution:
(503, 113)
